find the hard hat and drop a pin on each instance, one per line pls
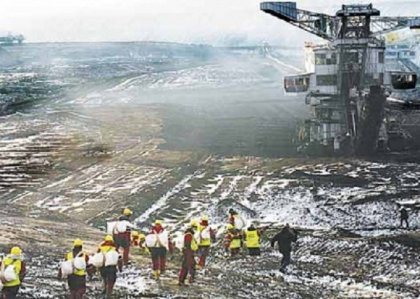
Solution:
(158, 222)
(194, 223)
(230, 226)
(205, 218)
(127, 212)
(135, 233)
(77, 242)
(142, 236)
(109, 238)
(16, 251)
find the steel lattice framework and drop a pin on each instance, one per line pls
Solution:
(329, 27)
(354, 33)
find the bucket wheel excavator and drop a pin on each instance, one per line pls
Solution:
(347, 85)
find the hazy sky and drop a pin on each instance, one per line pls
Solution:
(190, 21)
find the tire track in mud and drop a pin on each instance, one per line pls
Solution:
(27, 149)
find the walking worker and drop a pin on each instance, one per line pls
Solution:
(403, 217)
(284, 239)
(77, 279)
(13, 271)
(158, 243)
(227, 238)
(205, 237)
(112, 264)
(122, 233)
(252, 240)
(138, 240)
(232, 240)
(188, 259)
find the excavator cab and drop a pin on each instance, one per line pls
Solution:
(403, 80)
(297, 84)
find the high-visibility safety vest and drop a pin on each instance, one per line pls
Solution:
(235, 242)
(78, 272)
(194, 245)
(252, 239)
(17, 263)
(204, 236)
(106, 248)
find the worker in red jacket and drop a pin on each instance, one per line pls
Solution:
(188, 261)
(206, 235)
(122, 233)
(159, 248)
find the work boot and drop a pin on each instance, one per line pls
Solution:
(156, 274)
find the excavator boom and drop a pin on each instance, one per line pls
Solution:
(328, 27)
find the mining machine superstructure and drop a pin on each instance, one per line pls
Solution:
(348, 84)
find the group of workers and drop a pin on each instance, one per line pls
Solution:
(195, 246)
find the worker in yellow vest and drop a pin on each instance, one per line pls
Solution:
(205, 237)
(138, 240)
(233, 240)
(188, 260)
(252, 240)
(109, 271)
(77, 280)
(12, 283)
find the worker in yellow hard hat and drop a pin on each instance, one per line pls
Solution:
(194, 223)
(13, 263)
(127, 212)
(135, 238)
(158, 244)
(138, 241)
(77, 243)
(188, 263)
(205, 237)
(109, 270)
(77, 279)
(122, 233)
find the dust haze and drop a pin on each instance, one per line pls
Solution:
(211, 22)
